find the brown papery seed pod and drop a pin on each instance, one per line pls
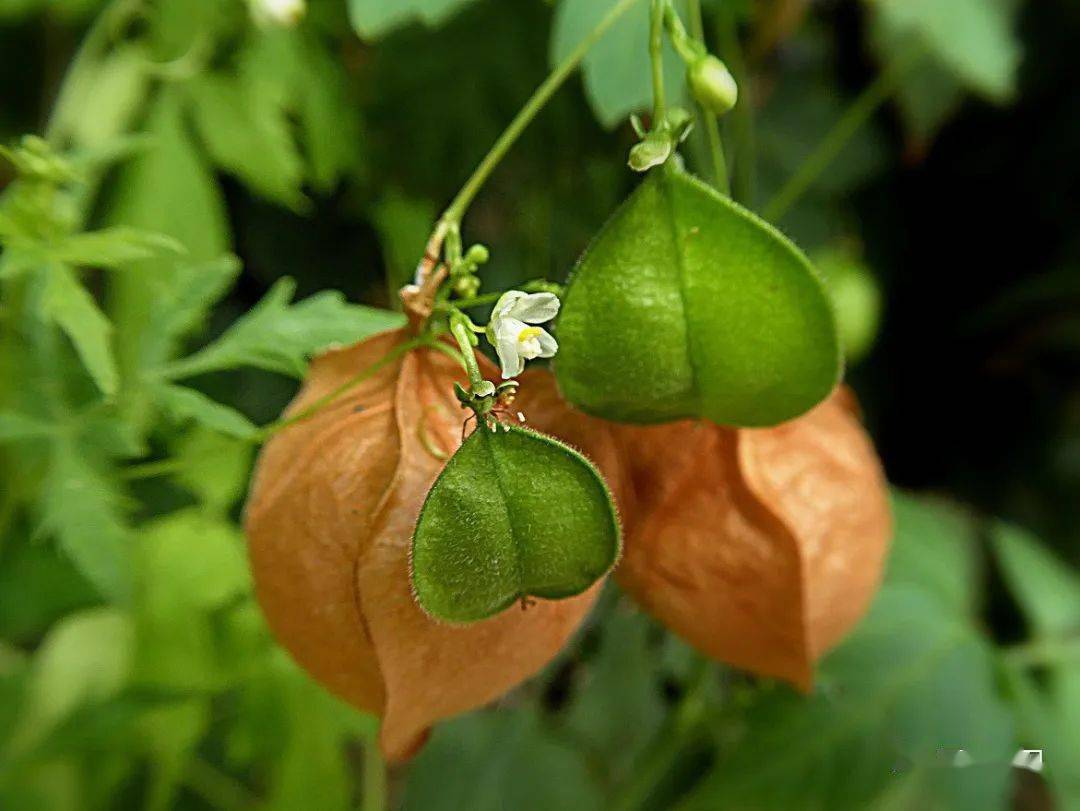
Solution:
(329, 522)
(760, 547)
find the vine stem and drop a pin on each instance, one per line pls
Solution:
(712, 128)
(460, 330)
(865, 105)
(742, 117)
(456, 210)
(656, 57)
(374, 789)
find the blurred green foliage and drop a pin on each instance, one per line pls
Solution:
(193, 159)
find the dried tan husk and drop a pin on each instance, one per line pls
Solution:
(760, 547)
(329, 522)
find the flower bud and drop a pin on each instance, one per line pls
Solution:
(712, 84)
(285, 13)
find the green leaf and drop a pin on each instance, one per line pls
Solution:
(189, 565)
(14, 426)
(81, 508)
(909, 683)
(620, 705)
(313, 771)
(934, 549)
(487, 534)
(687, 305)
(491, 761)
(931, 92)
(85, 658)
(183, 307)
(243, 121)
(1047, 590)
(617, 70)
(375, 18)
(195, 556)
(98, 104)
(278, 337)
(214, 467)
(166, 189)
(183, 403)
(973, 38)
(112, 247)
(73, 309)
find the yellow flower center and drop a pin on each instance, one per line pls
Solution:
(527, 333)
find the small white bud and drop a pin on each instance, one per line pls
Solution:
(285, 13)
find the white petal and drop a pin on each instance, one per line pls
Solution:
(548, 345)
(535, 308)
(507, 348)
(506, 303)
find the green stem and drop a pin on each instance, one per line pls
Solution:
(656, 57)
(278, 425)
(865, 105)
(536, 286)
(456, 210)
(374, 789)
(460, 330)
(684, 723)
(712, 128)
(742, 117)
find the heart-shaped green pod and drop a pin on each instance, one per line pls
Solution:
(513, 514)
(688, 305)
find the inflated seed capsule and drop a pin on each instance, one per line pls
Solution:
(712, 84)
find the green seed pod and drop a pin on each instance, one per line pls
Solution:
(712, 84)
(687, 305)
(514, 514)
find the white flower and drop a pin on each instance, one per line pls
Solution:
(279, 12)
(510, 330)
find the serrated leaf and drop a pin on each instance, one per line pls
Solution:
(112, 247)
(279, 337)
(740, 328)
(487, 535)
(1046, 589)
(73, 309)
(183, 403)
(81, 508)
(166, 188)
(375, 18)
(183, 307)
(243, 121)
(973, 38)
(617, 70)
